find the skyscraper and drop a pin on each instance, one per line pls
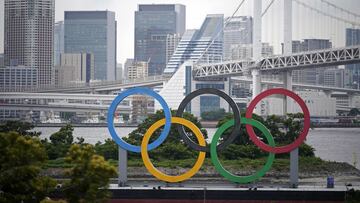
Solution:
(203, 45)
(153, 23)
(353, 38)
(93, 32)
(237, 31)
(29, 36)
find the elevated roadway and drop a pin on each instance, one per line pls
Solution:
(296, 61)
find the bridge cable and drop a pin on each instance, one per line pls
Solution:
(218, 34)
(326, 14)
(267, 8)
(341, 9)
(228, 21)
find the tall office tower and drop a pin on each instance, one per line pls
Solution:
(93, 32)
(74, 68)
(29, 36)
(237, 31)
(203, 45)
(313, 76)
(353, 38)
(153, 22)
(58, 41)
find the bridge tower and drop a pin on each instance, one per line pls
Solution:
(294, 155)
(256, 51)
(256, 76)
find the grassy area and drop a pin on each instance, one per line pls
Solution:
(306, 164)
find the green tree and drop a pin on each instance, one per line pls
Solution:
(63, 136)
(284, 129)
(21, 159)
(60, 142)
(23, 128)
(242, 138)
(89, 176)
(108, 149)
(173, 147)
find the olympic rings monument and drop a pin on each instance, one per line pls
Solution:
(201, 147)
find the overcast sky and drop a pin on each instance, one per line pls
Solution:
(306, 24)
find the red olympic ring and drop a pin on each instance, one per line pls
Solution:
(286, 148)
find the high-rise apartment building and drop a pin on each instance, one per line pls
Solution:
(58, 41)
(153, 23)
(353, 38)
(29, 36)
(127, 64)
(203, 45)
(237, 31)
(138, 69)
(93, 32)
(140, 103)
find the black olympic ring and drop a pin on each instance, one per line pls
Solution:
(233, 106)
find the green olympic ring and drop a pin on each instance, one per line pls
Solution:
(231, 177)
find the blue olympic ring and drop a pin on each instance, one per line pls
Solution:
(116, 102)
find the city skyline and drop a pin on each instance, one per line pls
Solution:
(125, 17)
(154, 25)
(231, 63)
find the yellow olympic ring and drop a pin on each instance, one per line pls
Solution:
(158, 174)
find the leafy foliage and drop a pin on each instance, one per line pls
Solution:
(242, 138)
(284, 129)
(60, 142)
(173, 147)
(109, 149)
(22, 128)
(21, 159)
(89, 176)
(63, 136)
